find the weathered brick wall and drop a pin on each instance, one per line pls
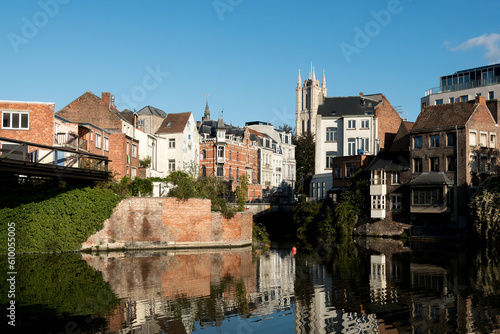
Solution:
(41, 122)
(139, 223)
(388, 122)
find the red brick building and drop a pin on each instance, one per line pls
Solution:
(104, 131)
(453, 148)
(230, 152)
(28, 121)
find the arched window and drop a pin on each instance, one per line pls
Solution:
(203, 171)
(204, 154)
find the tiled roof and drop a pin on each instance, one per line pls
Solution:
(444, 115)
(390, 161)
(431, 178)
(174, 123)
(148, 110)
(349, 105)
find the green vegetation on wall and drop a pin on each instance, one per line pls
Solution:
(58, 223)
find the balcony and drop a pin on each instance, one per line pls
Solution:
(378, 189)
(66, 139)
(462, 86)
(377, 213)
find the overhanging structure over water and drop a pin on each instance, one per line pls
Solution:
(31, 159)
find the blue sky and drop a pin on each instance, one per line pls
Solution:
(244, 54)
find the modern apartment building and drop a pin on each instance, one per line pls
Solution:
(465, 85)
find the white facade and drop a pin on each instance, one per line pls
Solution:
(343, 136)
(148, 147)
(179, 150)
(277, 158)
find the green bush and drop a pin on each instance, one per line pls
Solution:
(485, 210)
(59, 223)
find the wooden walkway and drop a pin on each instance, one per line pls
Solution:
(30, 159)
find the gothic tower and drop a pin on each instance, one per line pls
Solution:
(309, 97)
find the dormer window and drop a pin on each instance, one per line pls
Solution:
(169, 124)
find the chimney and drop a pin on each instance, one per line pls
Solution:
(198, 124)
(481, 100)
(106, 98)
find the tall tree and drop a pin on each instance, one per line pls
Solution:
(304, 157)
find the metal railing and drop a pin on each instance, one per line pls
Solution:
(462, 86)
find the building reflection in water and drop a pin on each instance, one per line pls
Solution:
(383, 287)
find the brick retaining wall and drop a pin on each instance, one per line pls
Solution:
(150, 223)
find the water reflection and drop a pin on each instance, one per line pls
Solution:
(364, 287)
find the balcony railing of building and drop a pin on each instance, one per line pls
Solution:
(462, 86)
(67, 139)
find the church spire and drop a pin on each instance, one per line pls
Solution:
(207, 111)
(323, 81)
(299, 81)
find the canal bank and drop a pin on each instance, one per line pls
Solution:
(169, 223)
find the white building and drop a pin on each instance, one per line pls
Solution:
(277, 158)
(178, 144)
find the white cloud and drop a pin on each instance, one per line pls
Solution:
(491, 42)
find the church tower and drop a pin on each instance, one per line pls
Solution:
(309, 96)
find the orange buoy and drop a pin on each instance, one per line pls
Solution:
(294, 250)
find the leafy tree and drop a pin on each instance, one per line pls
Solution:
(304, 157)
(485, 210)
(242, 192)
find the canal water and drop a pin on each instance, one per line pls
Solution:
(363, 286)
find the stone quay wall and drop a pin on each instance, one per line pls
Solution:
(162, 223)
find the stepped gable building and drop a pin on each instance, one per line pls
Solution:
(107, 131)
(309, 96)
(453, 147)
(229, 152)
(465, 85)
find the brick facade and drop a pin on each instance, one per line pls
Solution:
(239, 158)
(40, 122)
(388, 123)
(140, 223)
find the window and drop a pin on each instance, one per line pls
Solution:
(329, 158)
(220, 151)
(363, 144)
(220, 170)
(434, 164)
(493, 141)
(169, 124)
(365, 124)
(171, 165)
(417, 142)
(331, 134)
(106, 144)
(434, 141)
(417, 165)
(464, 98)
(351, 146)
(350, 169)
(483, 164)
(171, 143)
(451, 162)
(452, 100)
(203, 171)
(237, 156)
(491, 95)
(473, 163)
(451, 139)
(230, 170)
(439, 102)
(378, 202)
(427, 196)
(230, 154)
(203, 154)
(237, 172)
(396, 178)
(15, 120)
(134, 151)
(472, 138)
(483, 139)
(396, 202)
(351, 124)
(98, 140)
(337, 171)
